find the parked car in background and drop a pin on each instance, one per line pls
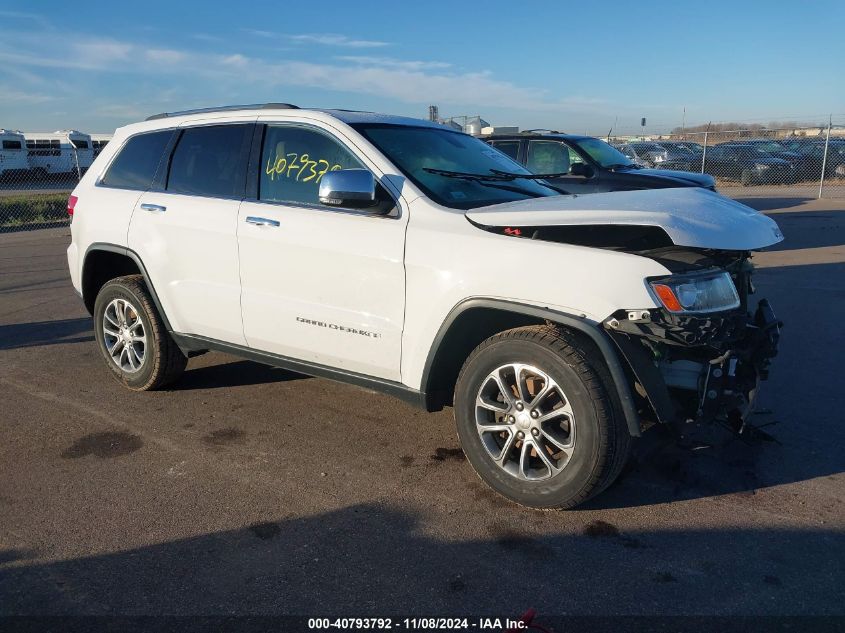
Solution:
(590, 164)
(655, 154)
(61, 152)
(14, 162)
(813, 153)
(629, 153)
(778, 150)
(681, 155)
(747, 164)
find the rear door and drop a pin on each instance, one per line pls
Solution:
(511, 147)
(184, 230)
(321, 284)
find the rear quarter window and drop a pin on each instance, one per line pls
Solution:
(136, 164)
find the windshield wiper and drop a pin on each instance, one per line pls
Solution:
(495, 175)
(493, 180)
(621, 165)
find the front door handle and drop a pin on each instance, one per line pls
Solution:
(155, 208)
(251, 219)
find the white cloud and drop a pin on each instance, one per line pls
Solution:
(121, 111)
(40, 20)
(390, 62)
(165, 56)
(11, 95)
(259, 33)
(101, 52)
(410, 81)
(334, 39)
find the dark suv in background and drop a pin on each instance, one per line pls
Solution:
(748, 164)
(590, 164)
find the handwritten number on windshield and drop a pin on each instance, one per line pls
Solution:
(298, 166)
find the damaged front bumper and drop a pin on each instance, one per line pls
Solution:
(700, 368)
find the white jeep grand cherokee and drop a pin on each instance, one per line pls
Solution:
(406, 257)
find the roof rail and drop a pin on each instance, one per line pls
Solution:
(253, 106)
(541, 130)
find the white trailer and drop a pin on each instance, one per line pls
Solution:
(60, 152)
(98, 142)
(13, 155)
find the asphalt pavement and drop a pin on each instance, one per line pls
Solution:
(252, 490)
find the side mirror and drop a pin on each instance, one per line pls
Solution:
(581, 169)
(351, 188)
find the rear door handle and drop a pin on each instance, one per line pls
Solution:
(251, 219)
(155, 208)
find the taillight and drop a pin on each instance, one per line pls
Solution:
(71, 204)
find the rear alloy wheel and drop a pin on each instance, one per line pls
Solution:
(538, 420)
(124, 335)
(132, 338)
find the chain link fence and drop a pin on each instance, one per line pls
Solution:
(807, 161)
(37, 174)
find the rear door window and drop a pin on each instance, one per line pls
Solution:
(210, 161)
(295, 159)
(511, 148)
(136, 164)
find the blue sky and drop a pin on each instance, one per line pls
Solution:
(575, 66)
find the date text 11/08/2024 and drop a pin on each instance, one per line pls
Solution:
(412, 624)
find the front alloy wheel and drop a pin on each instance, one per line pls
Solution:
(525, 422)
(538, 418)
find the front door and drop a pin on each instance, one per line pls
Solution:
(555, 157)
(319, 284)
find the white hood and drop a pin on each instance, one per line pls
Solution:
(690, 216)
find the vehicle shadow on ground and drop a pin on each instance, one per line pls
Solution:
(21, 228)
(767, 203)
(371, 559)
(232, 374)
(810, 229)
(18, 335)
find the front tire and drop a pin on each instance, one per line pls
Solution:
(132, 338)
(537, 421)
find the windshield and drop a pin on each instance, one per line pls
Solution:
(693, 148)
(750, 151)
(770, 146)
(604, 154)
(417, 149)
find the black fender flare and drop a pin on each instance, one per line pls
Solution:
(128, 252)
(597, 335)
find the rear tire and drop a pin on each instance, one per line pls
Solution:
(131, 336)
(564, 456)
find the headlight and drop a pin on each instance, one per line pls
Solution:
(760, 166)
(708, 292)
(659, 158)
